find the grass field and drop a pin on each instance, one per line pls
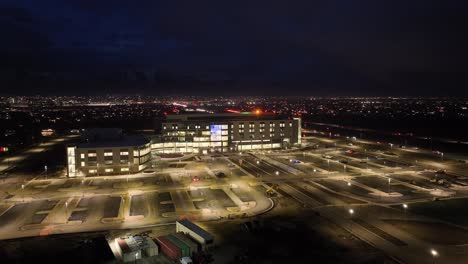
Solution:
(453, 210)
(436, 233)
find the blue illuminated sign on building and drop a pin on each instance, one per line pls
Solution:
(215, 131)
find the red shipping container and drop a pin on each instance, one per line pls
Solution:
(123, 245)
(168, 249)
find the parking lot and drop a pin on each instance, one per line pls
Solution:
(324, 177)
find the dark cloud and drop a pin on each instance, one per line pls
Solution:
(328, 47)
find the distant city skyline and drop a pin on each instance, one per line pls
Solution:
(321, 48)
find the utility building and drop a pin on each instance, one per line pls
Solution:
(195, 232)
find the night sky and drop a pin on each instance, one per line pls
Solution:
(298, 47)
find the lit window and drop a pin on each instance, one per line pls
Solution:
(82, 155)
(107, 154)
(109, 170)
(91, 154)
(124, 169)
(82, 164)
(124, 153)
(92, 171)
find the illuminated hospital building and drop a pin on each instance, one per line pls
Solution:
(107, 151)
(226, 132)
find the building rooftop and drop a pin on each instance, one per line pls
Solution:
(200, 231)
(122, 141)
(222, 117)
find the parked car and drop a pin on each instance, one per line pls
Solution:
(220, 174)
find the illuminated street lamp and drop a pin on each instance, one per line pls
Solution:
(391, 145)
(22, 190)
(45, 171)
(405, 206)
(434, 254)
(277, 173)
(66, 210)
(351, 212)
(258, 162)
(349, 183)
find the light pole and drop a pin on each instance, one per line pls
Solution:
(388, 189)
(82, 194)
(22, 191)
(45, 170)
(405, 206)
(344, 168)
(434, 255)
(351, 212)
(442, 156)
(66, 211)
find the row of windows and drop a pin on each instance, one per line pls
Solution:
(261, 130)
(93, 171)
(106, 162)
(207, 127)
(175, 127)
(242, 135)
(241, 125)
(107, 153)
(262, 125)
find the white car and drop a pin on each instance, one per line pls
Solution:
(186, 260)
